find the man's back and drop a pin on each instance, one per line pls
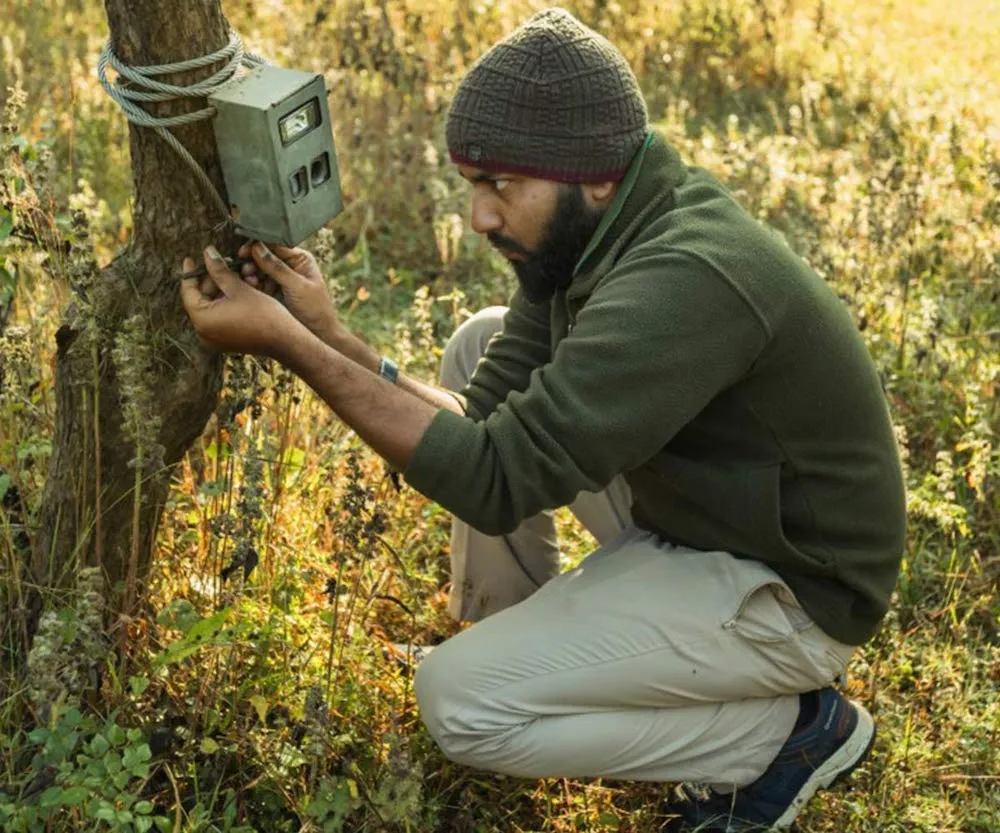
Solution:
(794, 464)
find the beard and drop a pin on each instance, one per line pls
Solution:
(549, 268)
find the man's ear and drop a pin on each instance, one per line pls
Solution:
(599, 194)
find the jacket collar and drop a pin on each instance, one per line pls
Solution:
(655, 172)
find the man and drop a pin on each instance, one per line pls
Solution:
(692, 385)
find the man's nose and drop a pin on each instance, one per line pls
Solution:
(485, 216)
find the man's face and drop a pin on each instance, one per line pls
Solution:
(541, 227)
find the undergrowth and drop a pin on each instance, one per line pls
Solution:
(258, 688)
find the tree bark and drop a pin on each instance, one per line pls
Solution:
(89, 513)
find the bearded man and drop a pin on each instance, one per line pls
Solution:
(671, 370)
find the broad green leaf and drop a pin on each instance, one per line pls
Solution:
(99, 745)
(138, 685)
(260, 706)
(52, 797)
(75, 796)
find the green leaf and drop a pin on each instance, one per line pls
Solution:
(75, 796)
(137, 684)
(4, 484)
(609, 820)
(179, 614)
(143, 807)
(116, 734)
(6, 223)
(39, 736)
(52, 797)
(105, 812)
(203, 632)
(99, 745)
(209, 626)
(260, 706)
(209, 746)
(136, 756)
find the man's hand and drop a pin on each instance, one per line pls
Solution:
(232, 317)
(302, 286)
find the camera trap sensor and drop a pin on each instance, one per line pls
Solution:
(275, 144)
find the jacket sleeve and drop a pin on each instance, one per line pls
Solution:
(522, 345)
(660, 336)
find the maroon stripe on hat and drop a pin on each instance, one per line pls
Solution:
(554, 174)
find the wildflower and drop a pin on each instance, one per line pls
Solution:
(68, 649)
(15, 363)
(134, 359)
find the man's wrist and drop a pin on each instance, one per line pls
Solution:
(291, 342)
(335, 335)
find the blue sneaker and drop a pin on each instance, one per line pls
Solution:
(815, 757)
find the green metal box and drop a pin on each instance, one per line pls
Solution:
(275, 143)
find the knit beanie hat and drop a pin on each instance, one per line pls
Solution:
(552, 100)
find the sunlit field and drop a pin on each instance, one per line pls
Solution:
(269, 699)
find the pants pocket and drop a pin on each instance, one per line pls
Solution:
(768, 613)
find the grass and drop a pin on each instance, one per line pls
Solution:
(867, 133)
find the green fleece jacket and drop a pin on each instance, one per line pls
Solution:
(696, 354)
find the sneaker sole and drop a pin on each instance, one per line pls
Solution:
(837, 767)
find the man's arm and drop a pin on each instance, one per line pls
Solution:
(305, 295)
(354, 348)
(238, 318)
(390, 418)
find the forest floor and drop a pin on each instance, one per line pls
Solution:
(867, 133)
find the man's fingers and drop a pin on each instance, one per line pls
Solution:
(191, 296)
(273, 266)
(296, 257)
(286, 253)
(209, 288)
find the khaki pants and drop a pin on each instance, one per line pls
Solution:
(648, 661)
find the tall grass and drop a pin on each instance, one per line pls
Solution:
(257, 690)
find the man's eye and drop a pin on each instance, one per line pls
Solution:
(500, 184)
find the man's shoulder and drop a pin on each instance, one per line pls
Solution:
(707, 231)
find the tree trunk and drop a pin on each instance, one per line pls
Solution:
(95, 508)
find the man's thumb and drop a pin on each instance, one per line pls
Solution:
(227, 280)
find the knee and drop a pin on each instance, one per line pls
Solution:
(467, 344)
(450, 709)
(438, 693)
